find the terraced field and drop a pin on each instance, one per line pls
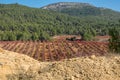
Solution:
(56, 50)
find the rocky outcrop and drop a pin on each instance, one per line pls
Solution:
(64, 5)
(14, 66)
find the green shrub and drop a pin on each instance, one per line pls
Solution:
(114, 41)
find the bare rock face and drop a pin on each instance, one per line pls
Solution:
(14, 66)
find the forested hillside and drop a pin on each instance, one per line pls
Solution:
(18, 22)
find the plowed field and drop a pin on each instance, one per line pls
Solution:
(56, 50)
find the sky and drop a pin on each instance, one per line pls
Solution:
(112, 4)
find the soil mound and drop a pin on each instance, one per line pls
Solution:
(93, 68)
(15, 66)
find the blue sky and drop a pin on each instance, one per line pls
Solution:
(112, 4)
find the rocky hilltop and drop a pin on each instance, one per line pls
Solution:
(62, 5)
(81, 9)
(14, 66)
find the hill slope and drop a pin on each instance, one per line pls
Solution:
(18, 22)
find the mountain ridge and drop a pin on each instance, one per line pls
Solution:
(79, 9)
(66, 3)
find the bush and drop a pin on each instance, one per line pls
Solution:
(87, 36)
(114, 41)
